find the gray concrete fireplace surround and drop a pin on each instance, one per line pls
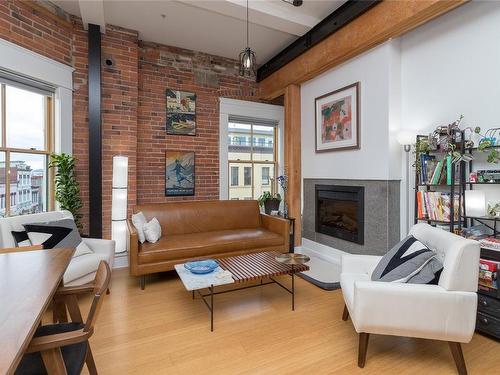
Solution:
(381, 215)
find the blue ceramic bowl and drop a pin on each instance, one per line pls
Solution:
(202, 266)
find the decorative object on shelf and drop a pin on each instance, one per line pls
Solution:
(179, 173)
(248, 62)
(494, 209)
(119, 199)
(270, 202)
(473, 177)
(181, 112)
(283, 182)
(491, 176)
(472, 136)
(406, 138)
(202, 267)
(337, 119)
(475, 203)
(67, 188)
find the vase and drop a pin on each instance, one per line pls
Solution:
(272, 204)
(285, 210)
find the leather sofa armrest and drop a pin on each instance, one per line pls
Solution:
(277, 225)
(133, 246)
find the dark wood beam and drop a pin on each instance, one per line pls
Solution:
(95, 137)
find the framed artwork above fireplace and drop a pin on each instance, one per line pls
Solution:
(337, 119)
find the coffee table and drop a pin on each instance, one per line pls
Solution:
(243, 269)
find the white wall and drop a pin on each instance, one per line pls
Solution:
(375, 70)
(426, 78)
(451, 66)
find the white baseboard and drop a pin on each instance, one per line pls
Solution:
(324, 252)
(121, 261)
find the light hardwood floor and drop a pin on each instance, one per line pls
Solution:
(161, 330)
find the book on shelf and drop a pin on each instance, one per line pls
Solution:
(488, 272)
(490, 243)
(436, 205)
(435, 172)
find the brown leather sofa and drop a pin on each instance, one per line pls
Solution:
(204, 229)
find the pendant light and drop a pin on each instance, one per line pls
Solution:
(248, 63)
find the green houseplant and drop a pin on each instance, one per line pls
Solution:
(67, 188)
(270, 202)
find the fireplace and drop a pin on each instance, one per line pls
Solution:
(340, 212)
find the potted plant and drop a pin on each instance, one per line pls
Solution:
(270, 202)
(67, 188)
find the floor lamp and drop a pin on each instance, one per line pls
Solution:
(119, 203)
(406, 139)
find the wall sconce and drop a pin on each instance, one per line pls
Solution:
(119, 203)
(475, 203)
(406, 138)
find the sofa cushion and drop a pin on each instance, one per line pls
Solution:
(203, 244)
(83, 265)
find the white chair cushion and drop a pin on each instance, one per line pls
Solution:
(83, 265)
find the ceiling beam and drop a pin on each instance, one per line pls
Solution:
(92, 11)
(384, 21)
(286, 19)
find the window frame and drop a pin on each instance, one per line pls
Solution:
(49, 143)
(253, 163)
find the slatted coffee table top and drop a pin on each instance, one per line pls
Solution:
(257, 266)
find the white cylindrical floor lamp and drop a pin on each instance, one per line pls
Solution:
(406, 138)
(119, 203)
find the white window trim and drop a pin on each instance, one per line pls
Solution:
(32, 65)
(249, 109)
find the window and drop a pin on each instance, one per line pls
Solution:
(256, 153)
(247, 176)
(265, 175)
(26, 117)
(234, 176)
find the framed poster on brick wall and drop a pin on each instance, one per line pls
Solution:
(181, 112)
(179, 173)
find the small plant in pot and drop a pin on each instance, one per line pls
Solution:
(270, 202)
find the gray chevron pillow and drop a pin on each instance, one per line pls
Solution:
(410, 261)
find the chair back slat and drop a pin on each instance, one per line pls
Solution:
(101, 283)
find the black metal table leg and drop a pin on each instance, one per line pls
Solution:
(193, 294)
(293, 289)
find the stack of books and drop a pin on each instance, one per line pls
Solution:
(435, 172)
(488, 271)
(491, 243)
(435, 205)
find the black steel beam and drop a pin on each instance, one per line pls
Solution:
(95, 138)
(339, 18)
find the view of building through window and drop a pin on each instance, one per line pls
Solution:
(24, 122)
(252, 159)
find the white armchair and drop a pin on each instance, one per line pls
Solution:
(81, 269)
(446, 311)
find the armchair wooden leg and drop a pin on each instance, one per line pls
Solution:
(345, 314)
(143, 282)
(363, 348)
(458, 356)
(53, 361)
(89, 360)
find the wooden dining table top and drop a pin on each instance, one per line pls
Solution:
(28, 281)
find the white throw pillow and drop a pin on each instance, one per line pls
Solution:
(152, 230)
(139, 220)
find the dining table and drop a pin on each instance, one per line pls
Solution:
(28, 281)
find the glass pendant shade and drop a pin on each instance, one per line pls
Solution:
(248, 64)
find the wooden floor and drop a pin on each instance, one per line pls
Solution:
(161, 330)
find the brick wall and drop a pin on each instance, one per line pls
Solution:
(134, 103)
(162, 67)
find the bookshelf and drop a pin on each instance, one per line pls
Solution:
(456, 218)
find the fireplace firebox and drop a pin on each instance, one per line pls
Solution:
(340, 212)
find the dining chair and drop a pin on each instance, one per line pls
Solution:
(63, 348)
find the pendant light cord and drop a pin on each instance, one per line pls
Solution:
(247, 24)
